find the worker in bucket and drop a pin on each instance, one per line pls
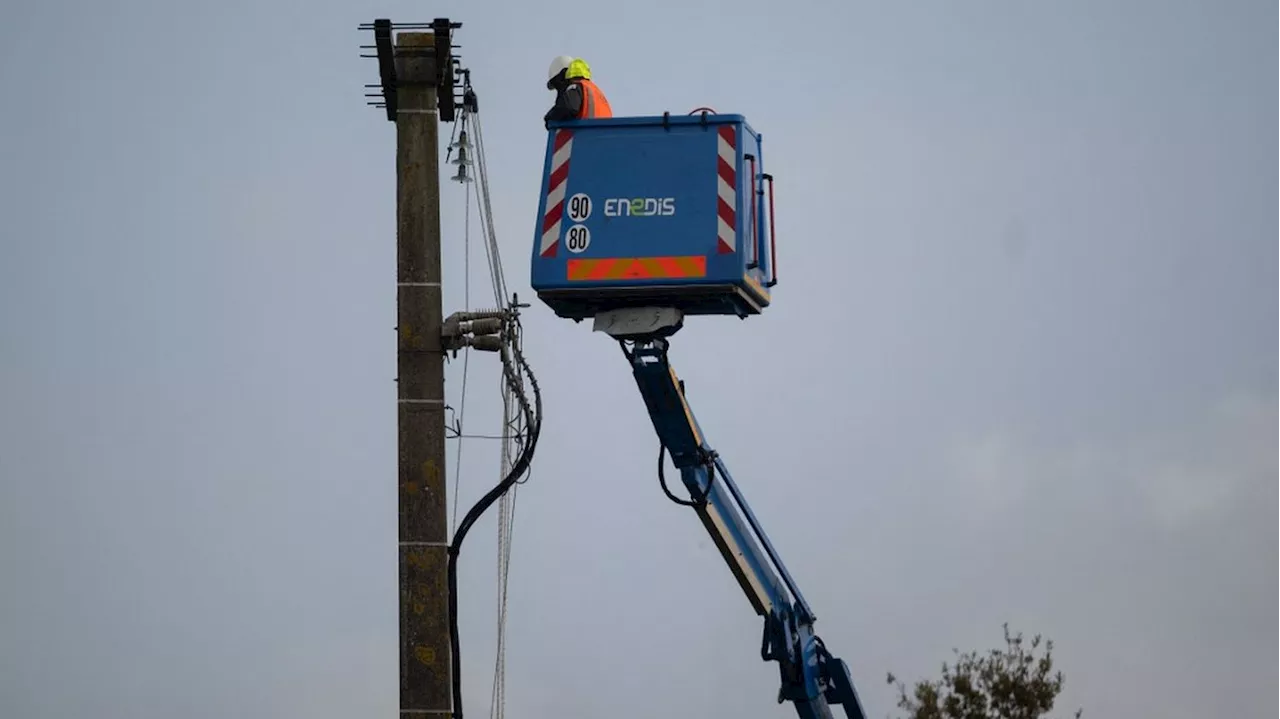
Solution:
(577, 97)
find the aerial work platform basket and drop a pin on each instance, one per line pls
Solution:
(664, 211)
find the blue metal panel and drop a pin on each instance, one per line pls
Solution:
(629, 216)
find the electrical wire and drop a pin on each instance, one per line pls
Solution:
(506, 520)
(491, 246)
(507, 503)
(466, 351)
(520, 434)
(513, 364)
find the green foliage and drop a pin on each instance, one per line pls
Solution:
(1009, 683)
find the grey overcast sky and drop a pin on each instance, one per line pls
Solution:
(1021, 364)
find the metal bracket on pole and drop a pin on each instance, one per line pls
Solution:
(446, 63)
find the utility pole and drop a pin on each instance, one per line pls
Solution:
(417, 92)
(424, 610)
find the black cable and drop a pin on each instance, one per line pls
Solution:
(699, 500)
(533, 427)
(472, 516)
(694, 500)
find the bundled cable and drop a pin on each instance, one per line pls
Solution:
(527, 424)
(514, 369)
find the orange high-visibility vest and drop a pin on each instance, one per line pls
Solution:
(594, 103)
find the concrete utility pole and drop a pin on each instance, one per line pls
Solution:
(417, 70)
(425, 671)
(424, 621)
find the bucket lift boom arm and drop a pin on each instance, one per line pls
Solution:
(812, 679)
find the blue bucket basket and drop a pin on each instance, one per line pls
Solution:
(654, 211)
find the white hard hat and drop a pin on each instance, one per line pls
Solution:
(559, 65)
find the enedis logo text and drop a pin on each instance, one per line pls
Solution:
(639, 206)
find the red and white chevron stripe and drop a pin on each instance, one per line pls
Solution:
(557, 181)
(727, 207)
